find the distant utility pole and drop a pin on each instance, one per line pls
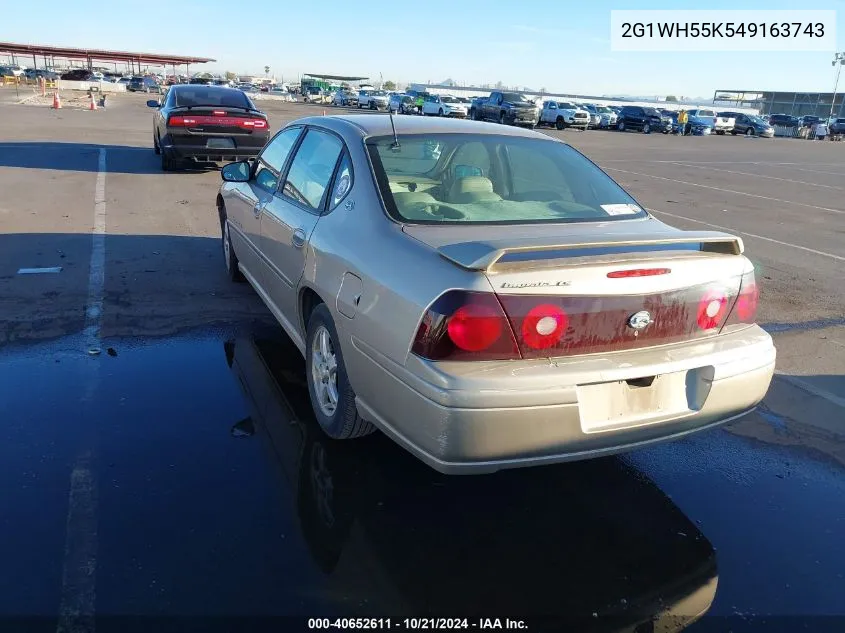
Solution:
(838, 61)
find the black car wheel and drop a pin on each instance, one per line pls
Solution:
(440, 112)
(559, 123)
(332, 397)
(156, 147)
(646, 128)
(502, 118)
(167, 163)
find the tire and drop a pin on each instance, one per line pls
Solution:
(646, 128)
(749, 131)
(501, 118)
(440, 112)
(167, 163)
(156, 147)
(620, 126)
(332, 397)
(559, 123)
(230, 259)
(473, 114)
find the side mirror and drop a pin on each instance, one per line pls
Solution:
(152, 103)
(236, 172)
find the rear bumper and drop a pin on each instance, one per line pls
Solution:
(504, 415)
(195, 147)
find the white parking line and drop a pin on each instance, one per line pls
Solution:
(78, 594)
(745, 173)
(739, 193)
(76, 611)
(818, 171)
(754, 235)
(820, 393)
(96, 268)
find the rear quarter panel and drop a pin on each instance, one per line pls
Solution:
(400, 276)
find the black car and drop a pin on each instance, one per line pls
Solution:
(78, 74)
(836, 126)
(143, 84)
(748, 124)
(784, 120)
(808, 120)
(207, 124)
(644, 119)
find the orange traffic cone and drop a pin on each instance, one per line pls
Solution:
(57, 103)
(93, 104)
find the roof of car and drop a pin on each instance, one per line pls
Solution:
(379, 125)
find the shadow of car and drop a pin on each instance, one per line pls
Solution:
(591, 545)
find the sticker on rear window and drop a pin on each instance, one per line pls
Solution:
(621, 209)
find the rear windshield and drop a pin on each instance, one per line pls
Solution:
(492, 179)
(203, 97)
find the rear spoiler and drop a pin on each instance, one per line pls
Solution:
(483, 255)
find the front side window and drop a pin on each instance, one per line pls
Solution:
(312, 168)
(492, 179)
(271, 163)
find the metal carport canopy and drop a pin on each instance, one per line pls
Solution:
(100, 55)
(337, 77)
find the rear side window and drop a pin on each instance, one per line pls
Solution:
(342, 181)
(311, 170)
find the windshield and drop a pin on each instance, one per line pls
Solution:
(515, 97)
(758, 120)
(449, 100)
(200, 97)
(651, 112)
(379, 93)
(492, 179)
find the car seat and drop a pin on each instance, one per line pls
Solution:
(473, 189)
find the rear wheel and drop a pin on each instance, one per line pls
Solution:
(167, 163)
(156, 147)
(332, 397)
(620, 126)
(646, 128)
(440, 112)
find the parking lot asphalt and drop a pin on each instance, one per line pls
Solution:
(160, 459)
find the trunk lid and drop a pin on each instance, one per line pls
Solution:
(601, 288)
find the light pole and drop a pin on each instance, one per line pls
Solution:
(838, 61)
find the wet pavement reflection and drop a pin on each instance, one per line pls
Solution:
(214, 495)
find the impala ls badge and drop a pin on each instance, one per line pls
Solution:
(639, 320)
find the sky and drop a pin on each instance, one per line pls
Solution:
(564, 48)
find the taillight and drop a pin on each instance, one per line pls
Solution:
(181, 121)
(544, 326)
(638, 272)
(745, 309)
(463, 325)
(712, 308)
(218, 119)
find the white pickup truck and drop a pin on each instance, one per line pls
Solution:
(720, 124)
(563, 114)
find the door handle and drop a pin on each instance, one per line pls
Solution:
(298, 238)
(258, 208)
